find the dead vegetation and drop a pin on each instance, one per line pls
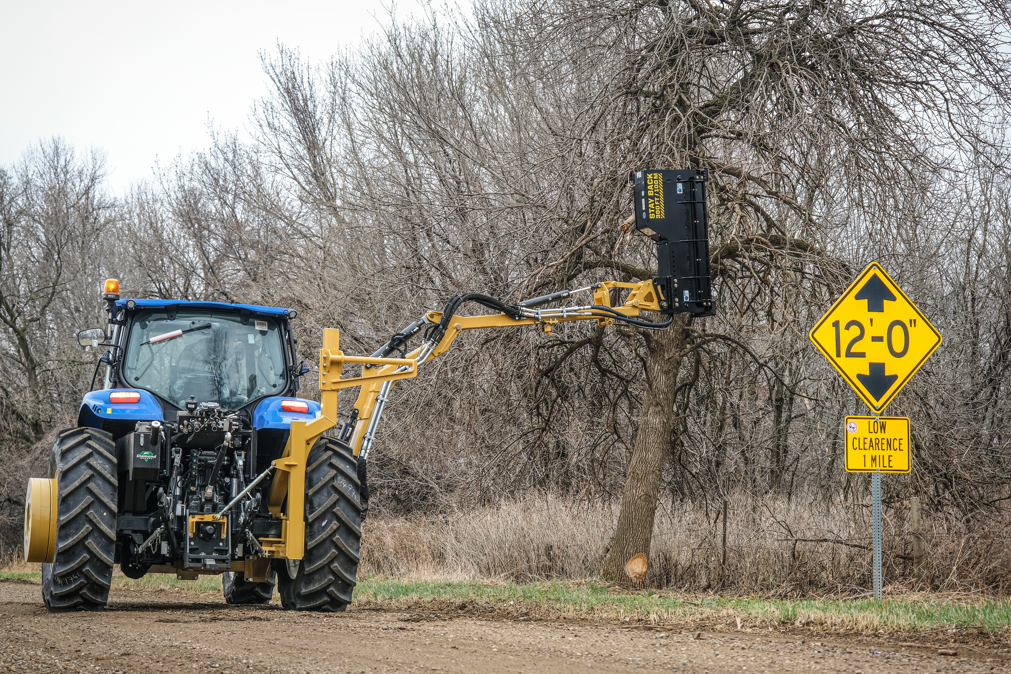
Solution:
(775, 548)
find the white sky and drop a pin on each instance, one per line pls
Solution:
(140, 80)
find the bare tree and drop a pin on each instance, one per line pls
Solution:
(786, 104)
(53, 212)
(212, 227)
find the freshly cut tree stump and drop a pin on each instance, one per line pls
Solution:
(635, 568)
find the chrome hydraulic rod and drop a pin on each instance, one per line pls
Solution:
(384, 391)
(377, 412)
(242, 494)
(152, 538)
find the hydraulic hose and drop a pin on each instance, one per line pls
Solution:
(544, 299)
(435, 332)
(399, 340)
(618, 316)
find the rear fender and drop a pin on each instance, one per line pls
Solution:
(97, 412)
(269, 413)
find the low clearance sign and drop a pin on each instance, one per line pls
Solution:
(877, 445)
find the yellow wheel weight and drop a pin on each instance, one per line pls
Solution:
(40, 520)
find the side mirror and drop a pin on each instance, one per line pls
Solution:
(92, 337)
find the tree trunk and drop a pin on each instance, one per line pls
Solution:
(652, 444)
(777, 455)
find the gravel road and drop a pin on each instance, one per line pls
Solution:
(173, 631)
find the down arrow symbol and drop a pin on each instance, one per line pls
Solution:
(876, 381)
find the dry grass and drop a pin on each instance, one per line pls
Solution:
(774, 547)
(531, 539)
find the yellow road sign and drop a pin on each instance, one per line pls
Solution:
(877, 445)
(875, 337)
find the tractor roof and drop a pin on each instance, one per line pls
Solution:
(224, 306)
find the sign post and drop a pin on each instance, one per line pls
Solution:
(876, 361)
(876, 530)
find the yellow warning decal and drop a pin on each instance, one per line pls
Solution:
(654, 194)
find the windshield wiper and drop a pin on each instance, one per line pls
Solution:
(175, 333)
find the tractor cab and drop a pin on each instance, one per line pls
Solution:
(181, 354)
(169, 356)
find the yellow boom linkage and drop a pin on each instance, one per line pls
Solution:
(288, 487)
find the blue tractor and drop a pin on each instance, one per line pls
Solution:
(172, 464)
(198, 457)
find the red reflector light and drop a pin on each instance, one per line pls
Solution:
(295, 406)
(124, 397)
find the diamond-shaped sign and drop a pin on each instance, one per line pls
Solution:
(875, 337)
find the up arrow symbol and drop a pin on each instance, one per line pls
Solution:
(876, 293)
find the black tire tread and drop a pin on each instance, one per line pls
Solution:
(328, 572)
(81, 573)
(239, 591)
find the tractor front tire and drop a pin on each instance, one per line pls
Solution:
(239, 591)
(85, 471)
(326, 576)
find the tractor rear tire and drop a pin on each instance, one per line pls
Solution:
(81, 572)
(239, 591)
(326, 576)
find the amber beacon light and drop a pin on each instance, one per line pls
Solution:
(111, 291)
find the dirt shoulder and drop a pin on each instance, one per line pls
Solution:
(172, 630)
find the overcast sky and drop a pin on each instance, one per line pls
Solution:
(140, 80)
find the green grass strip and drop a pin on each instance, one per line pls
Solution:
(592, 599)
(589, 598)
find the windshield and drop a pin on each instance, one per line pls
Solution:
(209, 357)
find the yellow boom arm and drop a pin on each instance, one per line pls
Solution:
(378, 375)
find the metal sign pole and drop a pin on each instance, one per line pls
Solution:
(876, 526)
